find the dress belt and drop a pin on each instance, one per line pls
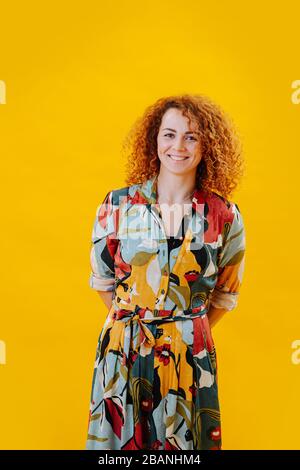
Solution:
(137, 314)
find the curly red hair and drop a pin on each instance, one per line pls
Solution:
(221, 165)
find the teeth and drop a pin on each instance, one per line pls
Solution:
(177, 158)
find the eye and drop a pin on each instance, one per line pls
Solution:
(172, 135)
(168, 134)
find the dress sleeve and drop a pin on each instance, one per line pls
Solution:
(231, 263)
(103, 246)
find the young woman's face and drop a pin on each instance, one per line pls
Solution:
(178, 143)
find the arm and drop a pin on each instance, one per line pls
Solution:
(215, 314)
(104, 245)
(224, 297)
(106, 297)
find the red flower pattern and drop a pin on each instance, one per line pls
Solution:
(215, 434)
(163, 352)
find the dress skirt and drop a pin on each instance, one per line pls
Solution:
(154, 385)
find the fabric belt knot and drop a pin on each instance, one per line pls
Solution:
(145, 315)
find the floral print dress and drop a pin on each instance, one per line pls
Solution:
(155, 383)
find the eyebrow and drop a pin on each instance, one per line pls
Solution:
(173, 130)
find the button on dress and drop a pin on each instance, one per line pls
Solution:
(155, 383)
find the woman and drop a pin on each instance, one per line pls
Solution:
(167, 258)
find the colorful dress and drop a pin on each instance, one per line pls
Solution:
(155, 382)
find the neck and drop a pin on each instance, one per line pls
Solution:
(173, 188)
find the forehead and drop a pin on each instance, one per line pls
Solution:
(173, 118)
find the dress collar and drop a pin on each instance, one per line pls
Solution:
(148, 193)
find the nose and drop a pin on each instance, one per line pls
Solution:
(179, 143)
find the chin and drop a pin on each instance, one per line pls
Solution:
(176, 171)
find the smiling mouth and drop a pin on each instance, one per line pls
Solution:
(177, 159)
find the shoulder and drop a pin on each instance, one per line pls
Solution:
(220, 207)
(124, 194)
(232, 219)
(222, 215)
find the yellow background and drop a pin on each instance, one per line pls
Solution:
(77, 76)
